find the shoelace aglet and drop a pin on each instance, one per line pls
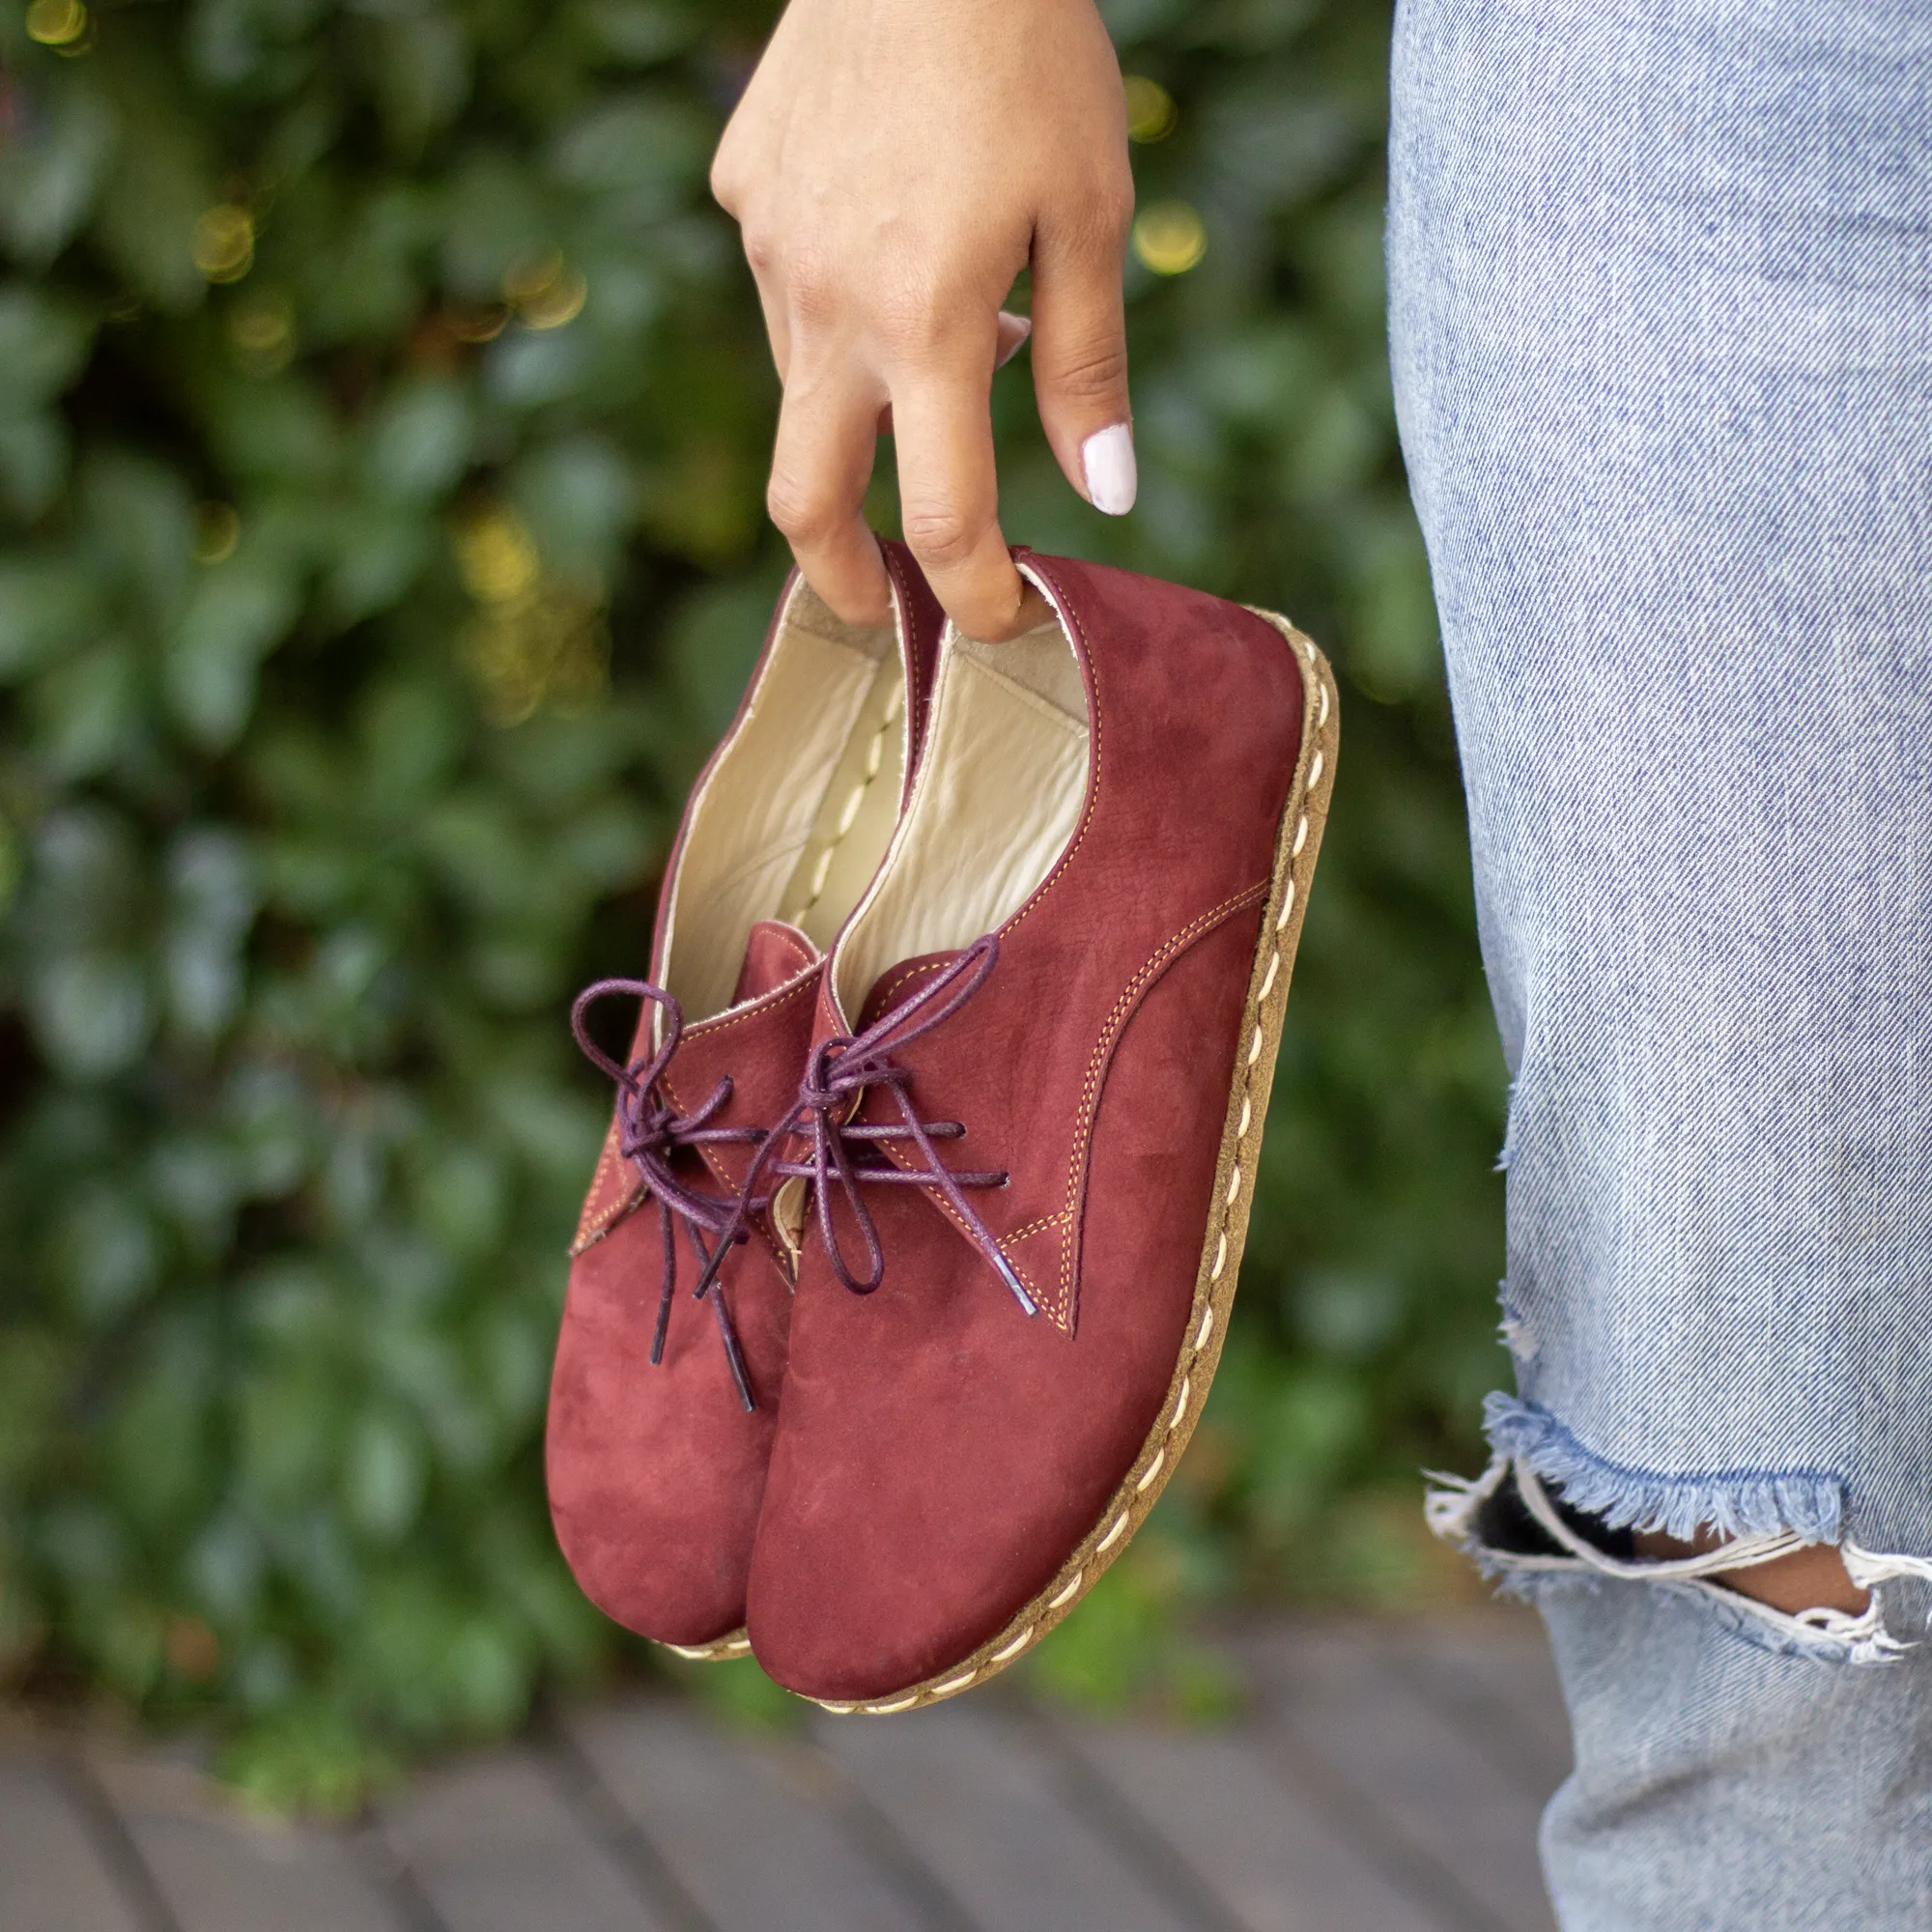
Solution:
(730, 1336)
(670, 1283)
(1026, 1301)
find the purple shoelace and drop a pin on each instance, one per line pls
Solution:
(840, 1071)
(650, 1133)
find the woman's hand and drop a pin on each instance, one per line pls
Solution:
(894, 166)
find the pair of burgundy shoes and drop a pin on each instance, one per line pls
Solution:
(910, 1254)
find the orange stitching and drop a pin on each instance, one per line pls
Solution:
(1059, 1306)
(1033, 1228)
(765, 1002)
(1110, 1033)
(587, 1224)
(906, 975)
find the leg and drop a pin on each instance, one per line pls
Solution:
(1662, 311)
(1720, 1785)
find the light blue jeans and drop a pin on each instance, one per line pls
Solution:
(1661, 312)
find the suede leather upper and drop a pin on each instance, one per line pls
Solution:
(939, 1454)
(656, 1471)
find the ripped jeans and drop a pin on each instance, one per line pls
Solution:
(1661, 321)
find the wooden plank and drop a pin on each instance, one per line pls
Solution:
(1273, 1860)
(222, 1869)
(52, 1879)
(1341, 1711)
(751, 1827)
(1493, 1674)
(493, 1848)
(978, 1801)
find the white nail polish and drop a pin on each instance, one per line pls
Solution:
(1107, 457)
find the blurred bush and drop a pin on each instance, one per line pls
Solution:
(382, 419)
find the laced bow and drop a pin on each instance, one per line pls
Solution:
(650, 1132)
(837, 1078)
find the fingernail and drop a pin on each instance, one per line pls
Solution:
(1107, 457)
(1015, 329)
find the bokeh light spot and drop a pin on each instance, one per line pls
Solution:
(1151, 110)
(497, 556)
(1170, 237)
(218, 529)
(56, 23)
(263, 326)
(224, 242)
(561, 302)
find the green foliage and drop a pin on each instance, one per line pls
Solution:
(1126, 1644)
(365, 372)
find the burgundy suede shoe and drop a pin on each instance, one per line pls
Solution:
(662, 1410)
(1052, 1024)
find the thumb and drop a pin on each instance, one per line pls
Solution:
(1080, 368)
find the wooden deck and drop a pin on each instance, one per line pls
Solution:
(1385, 1780)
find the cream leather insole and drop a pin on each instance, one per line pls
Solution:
(998, 795)
(796, 813)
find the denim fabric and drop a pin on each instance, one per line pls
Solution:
(1661, 279)
(1723, 1788)
(1662, 314)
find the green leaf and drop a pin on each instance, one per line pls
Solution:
(279, 431)
(640, 32)
(496, 216)
(91, 1013)
(159, 186)
(380, 551)
(421, 65)
(651, 148)
(368, 282)
(419, 441)
(137, 518)
(578, 497)
(237, 43)
(48, 608)
(317, 1758)
(385, 1475)
(52, 170)
(525, 371)
(43, 344)
(238, 614)
(213, 890)
(87, 714)
(34, 456)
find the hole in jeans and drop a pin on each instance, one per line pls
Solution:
(1824, 1599)
(1812, 1576)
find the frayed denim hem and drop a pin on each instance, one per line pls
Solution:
(1808, 1503)
(1529, 1542)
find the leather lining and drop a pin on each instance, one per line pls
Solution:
(995, 803)
(829, 692)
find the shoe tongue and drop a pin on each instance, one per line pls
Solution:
(899, 984)
(773, 953)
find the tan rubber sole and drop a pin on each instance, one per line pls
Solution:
(1297, 847)
(718, 1651)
